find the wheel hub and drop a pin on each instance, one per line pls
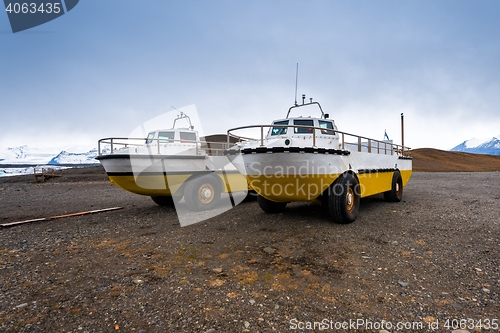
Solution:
(206, 193)
(349, 200)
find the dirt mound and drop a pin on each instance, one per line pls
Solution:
(435, 160)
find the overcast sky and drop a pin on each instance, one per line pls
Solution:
(107, 66)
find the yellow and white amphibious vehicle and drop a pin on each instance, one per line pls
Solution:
(171, 164)
(308, 159)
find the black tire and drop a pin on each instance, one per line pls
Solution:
(343, 199)
(269, 206)
(166, 201)
(202, 193)
(395, 194)
(251, 196)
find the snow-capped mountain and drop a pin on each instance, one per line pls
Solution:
(54, 156)
(65, 157)
(488, 146)
(26, 155)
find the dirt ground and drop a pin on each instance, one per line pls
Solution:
(432, 160)
(420, 265)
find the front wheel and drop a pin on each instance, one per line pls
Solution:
(202, 193)
(395, 194)
(343, 199)
(269, 206)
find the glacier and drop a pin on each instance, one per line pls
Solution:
(21, 160)
(65, 157)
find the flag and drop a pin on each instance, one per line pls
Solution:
(386, 137)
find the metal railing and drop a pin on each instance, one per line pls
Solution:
(160, 145)
(370, 145)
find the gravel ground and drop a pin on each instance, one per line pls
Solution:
(427, 260)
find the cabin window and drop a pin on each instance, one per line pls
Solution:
(303, 122)
(166, 137)
(328, 127)
(279, 130)
(188, 137)
(150, 137)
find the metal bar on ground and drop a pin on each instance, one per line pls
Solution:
(10, 224)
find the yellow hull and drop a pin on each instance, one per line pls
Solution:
(166, 185)
(379, 182)
(286, 188)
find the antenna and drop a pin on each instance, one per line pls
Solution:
(182, 115)
(402, 134)
(296, 81)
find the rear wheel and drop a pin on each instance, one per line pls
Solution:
(343, 199)
(251, 196)
(395, 194)
(202, 193)
(269, 206)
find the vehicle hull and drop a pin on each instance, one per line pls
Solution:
(302, 176)
(165, 175)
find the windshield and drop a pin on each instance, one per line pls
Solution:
(150, 137)
(188, 137)
(303, 122)
(165, 137)
(328, 127)
(279, 130)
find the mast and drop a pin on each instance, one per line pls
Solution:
(402, 134)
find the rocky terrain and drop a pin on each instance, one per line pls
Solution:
(420, 265)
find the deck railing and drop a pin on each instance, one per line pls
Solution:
(369, 145)
(109, 146)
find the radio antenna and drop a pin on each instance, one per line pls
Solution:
(182, 115)
(296, 81)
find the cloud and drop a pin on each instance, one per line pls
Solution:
(436, 62)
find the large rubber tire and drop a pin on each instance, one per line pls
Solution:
(269, 206)
(343, 199)
(251, 196)
(166, 201)
(202, 193)
(395, 194)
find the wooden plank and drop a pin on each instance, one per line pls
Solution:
(85, 213)
(10, 224)
(21, 222)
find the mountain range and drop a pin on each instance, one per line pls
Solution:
(488, 146)
(19, 160)
(24, 155)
